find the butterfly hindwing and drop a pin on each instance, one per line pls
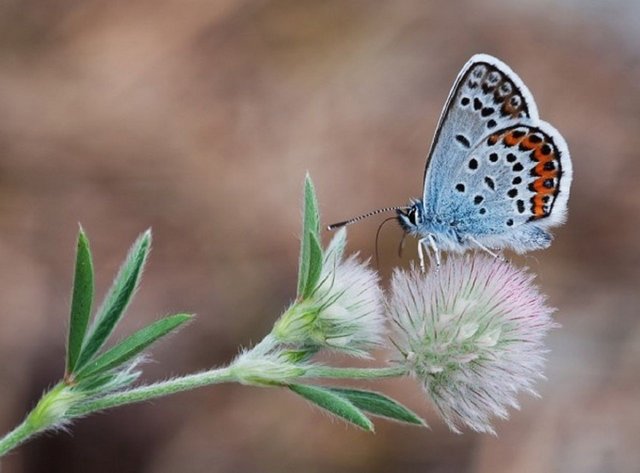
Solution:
(515, 178)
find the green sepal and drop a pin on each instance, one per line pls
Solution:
(335, 250)
(132, 345)
(334, 403)
(81, 301)
(300, 355)
(379, 405)
(117, 299)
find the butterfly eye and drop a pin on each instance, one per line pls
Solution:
(412, 216)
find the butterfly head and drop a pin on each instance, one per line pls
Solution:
(411, 217)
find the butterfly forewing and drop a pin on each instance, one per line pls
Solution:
(486, 96)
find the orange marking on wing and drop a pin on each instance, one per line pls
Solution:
(528, 145)
(543, 194)
(540, 189)
(539, 156)
(510, 140)
(538, 207)
(544, 173)
(543, 159)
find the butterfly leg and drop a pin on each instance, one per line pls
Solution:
(421, 243)
(429, 242)
(436, 250)
(484, 248)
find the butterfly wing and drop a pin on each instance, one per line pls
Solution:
(487, 95)
(510, 187)
(496, 173)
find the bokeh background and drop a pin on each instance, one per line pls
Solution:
(200, 119)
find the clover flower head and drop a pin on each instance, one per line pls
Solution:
(472, 333)
(344, 311)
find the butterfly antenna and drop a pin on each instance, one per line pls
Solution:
(378, 237)
(333, 226)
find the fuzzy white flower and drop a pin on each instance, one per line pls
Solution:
(472, 333)
(344, 312)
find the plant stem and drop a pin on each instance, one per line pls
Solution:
(37, 421)
(155, 390)
(354, 373)
(222, 375)
(18, 435)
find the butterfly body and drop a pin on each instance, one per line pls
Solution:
(497, 176)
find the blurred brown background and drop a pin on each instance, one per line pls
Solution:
(200, 118)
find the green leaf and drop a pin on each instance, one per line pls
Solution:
(94, 383)
(103, 383)
(81, 301)
(315, 266)
(334, 403)
(379, 405)
(117, 299)
(310, 226)
(311, 213)
(132, 345)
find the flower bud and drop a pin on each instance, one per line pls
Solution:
(344, 311)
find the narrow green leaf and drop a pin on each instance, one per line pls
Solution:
(312, 215)
(94, 383)
(334, 403)
(315, 265)
(117, 299)
(132, 345)
(379, 405)
(310, 225)
(81, 300)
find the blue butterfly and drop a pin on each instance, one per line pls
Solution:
(497, 177)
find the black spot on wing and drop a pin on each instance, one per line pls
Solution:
(487, 111)
(463, 140)
(490, 183)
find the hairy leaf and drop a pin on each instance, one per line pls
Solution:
(334, 403)
(81, 301)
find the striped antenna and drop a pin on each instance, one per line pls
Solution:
(333, 226)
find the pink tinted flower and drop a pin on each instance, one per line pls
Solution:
(472, 333)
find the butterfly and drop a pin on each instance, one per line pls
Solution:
(497, 176)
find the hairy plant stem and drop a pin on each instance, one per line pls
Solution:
(18, 435)
(222, 375)
(34, 424)
(155, 390)
(354, 373)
